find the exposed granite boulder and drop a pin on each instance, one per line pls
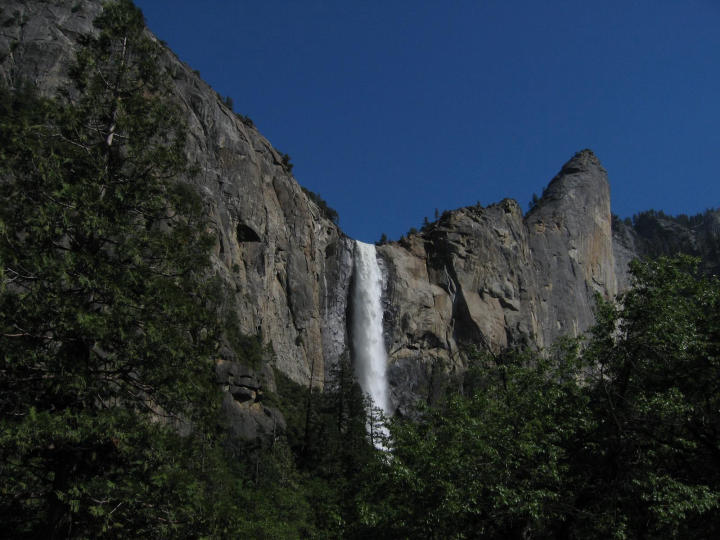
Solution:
(248, 418)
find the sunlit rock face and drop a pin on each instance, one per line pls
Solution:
(570, 236)
(495, 278)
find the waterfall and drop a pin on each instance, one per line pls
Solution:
(367, 335)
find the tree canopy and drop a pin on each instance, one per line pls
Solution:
(614, 438)
(107, 323)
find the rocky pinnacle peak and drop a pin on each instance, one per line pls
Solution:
(583, 161)
(582, 172)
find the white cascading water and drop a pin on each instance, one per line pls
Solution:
(368, 345)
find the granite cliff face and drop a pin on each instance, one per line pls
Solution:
(489, 276)
(495, 278)
(654, 234)
(570, 237)
(286, 268)
(285, 265)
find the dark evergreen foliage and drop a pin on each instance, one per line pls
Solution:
(327, 211)
(107, 324)
(533, 201)
(287, 165)
(246, 120)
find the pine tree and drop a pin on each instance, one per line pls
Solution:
(107, 323)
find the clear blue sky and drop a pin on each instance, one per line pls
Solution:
(391, 109)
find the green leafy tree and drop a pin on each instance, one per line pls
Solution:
(619, 438)
(487, 464)
(654, 453)
(106, 319)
